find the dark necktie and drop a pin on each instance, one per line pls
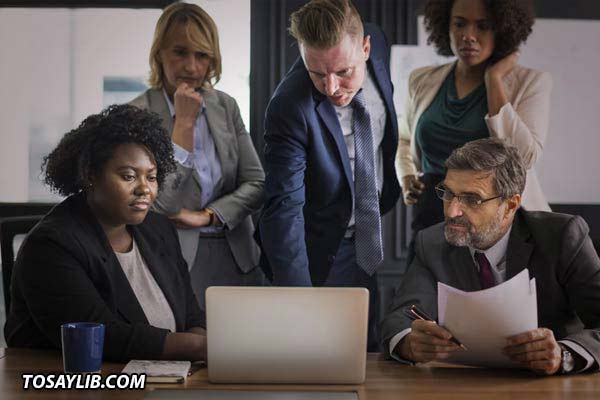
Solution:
(485, 271)
(369, 248)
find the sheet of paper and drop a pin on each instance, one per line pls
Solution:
(482, 320)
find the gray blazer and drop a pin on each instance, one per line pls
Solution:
(558, 252)
(243, 176)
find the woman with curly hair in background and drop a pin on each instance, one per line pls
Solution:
(100, 255)
(483, 93)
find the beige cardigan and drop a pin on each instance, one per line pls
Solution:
(523, 122)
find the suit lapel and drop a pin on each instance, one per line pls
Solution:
(154, 255)
(429, 89)
(519, 248)
(328, 116)
(381, 77)
(157, 101)
(216, 117)
(464, 269)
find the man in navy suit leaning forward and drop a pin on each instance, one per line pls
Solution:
(331, 138)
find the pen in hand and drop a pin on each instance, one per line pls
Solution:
(413, 312)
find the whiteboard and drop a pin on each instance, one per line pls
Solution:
(569, 168)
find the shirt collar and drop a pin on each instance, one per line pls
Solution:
(495, 254)
(172, 107)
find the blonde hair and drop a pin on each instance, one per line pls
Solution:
(200, 30)
(322, 24)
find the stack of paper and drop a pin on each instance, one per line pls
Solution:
(483, 320)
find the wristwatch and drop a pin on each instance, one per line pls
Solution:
(211, 216)
(567, 362)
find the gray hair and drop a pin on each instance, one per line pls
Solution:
(496, 157)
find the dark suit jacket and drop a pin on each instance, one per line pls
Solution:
(66, 271)
(309, 185)
(558, 252)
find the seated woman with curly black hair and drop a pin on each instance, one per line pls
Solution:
(483, 93)
(100, 255)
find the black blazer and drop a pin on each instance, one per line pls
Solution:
(66, 271)
(559, 254)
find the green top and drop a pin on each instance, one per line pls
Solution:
(448, 123)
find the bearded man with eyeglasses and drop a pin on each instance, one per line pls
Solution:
(486, 239)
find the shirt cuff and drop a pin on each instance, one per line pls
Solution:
(506, 108)
(182, 156)
(581, 351)
(394, 342)
(502, 124)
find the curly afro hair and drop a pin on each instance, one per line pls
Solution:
(511, 21)
(83, 152)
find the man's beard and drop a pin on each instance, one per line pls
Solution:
(481, 239)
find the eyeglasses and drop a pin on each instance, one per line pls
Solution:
(468, 200)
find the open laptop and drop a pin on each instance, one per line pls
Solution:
(286, 335)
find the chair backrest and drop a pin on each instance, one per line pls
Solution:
(589, 212)
(9, 228)
(21, 209)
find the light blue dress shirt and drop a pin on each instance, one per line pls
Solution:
(204, 159)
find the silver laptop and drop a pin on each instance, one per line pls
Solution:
(286, 335)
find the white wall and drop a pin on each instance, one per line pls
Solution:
(233, 21)
(570, 51)
(108, 43)
(33, 75)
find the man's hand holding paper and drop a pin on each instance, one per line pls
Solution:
(536, 350)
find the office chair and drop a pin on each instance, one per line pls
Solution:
(9, 228)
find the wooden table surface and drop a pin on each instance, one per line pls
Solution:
(385, 380)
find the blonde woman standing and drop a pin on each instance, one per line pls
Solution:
(219, 181)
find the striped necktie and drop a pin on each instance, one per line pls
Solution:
(369, 247)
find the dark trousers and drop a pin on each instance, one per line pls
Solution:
(345, 272)
(428, 211)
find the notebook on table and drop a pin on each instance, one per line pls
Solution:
(159, 371)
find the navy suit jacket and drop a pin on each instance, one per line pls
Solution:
(309, 186)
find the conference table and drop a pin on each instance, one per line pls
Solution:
(386, 379)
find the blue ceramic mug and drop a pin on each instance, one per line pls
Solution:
(82, 344)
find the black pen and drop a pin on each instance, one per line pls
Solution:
(413, 312)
